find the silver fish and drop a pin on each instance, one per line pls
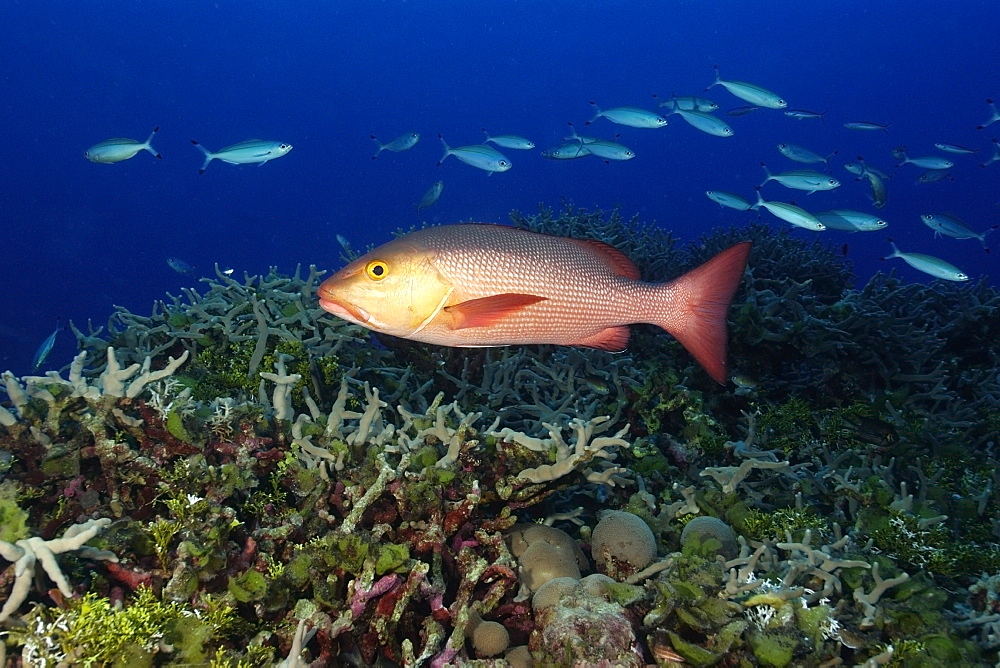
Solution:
(479, 156)
(860, 168)
(633, 117)
(956, 149)
(689, 103)
(934, 176)
(431, 196)
(851, 221)
(568, 151)
(246, 152)
(45, 348)
(879, 193)
(804, 114)
(742, 111)
(749, 92)
(929, 264)
(510, 141)
(345, 245)
(403, 142)
(927, 162)
(730, 200)
(583, 139)
(804, 155)
(946, 225)
(802, 179)
(867, 125)
(705, 122)
(609, 150)
(790, 214)
(118, 149)
(180, 266)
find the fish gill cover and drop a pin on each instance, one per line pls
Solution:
(233, 477)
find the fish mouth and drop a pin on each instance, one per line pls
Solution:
(348, 312)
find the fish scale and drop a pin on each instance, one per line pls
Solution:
(474, 285)
(583, 296)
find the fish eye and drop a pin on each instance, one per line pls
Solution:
(962, 277)
(377, 270)
(502, 163)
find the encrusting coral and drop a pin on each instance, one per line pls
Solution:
(279, 489)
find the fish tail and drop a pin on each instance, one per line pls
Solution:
(381, 146)
(767, 172)
(447, 149)
(705, 292)
(208, 156)
(718, 79)
(149, 143)
(597, 113)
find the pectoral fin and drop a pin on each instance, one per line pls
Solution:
(487, 311)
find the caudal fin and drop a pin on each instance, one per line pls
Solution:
(447, 149)
(208, 156)
(148, 146)
(698, 318)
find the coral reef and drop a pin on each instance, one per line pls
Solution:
(239, 479)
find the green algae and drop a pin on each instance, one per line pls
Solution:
(13, 520)
(175, 426)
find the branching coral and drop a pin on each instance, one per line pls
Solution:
(25, 552)
(292, 473)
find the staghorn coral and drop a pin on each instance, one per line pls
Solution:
(372, 500)
(25, 552)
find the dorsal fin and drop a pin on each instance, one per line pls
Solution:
(613, 258)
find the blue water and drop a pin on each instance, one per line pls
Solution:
(80, 237)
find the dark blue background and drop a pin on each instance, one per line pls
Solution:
(78, 237)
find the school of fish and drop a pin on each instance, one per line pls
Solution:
(485, 285)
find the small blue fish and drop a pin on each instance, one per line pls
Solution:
(688, 103)
(630, 116)
(804, 155)
(43, 350)
(867, 125)
(730, 200)
(742, 111)
(804, 114)
(479, 156)
(431, 196)
(118, 149)
(180, 266)
(401, 143)
(929, 264)
(509, 141)
(926, 162)
(571, 150)
(247, 152)
(956, 149)
(851, 221)
(946, 225)
(705, 122)
(749, 92)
